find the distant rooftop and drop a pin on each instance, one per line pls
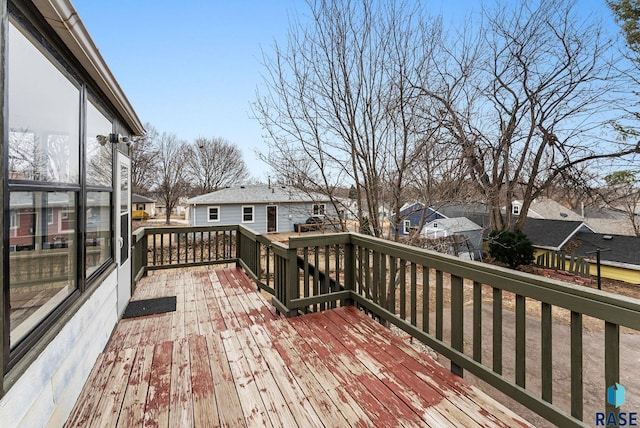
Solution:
(256, 194)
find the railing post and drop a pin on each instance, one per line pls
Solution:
(349, 267)
(292, 287)
(238, 246)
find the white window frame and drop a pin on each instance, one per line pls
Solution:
(406, 226)
(14, 219)
(319, 209)
(253, 214)
(50, 215)
(217, 219)
(515, 209)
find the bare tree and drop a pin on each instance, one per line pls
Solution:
(171, 184)
(338, 106)
(144, 161)
(213, 163)
(532, 102)
(623, 192)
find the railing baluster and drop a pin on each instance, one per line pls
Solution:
(547, 353)
(153, 235)
(403, 289)
(209, 246)
(162, 248)
(477, 321)
(425, 298)
(577, 400)
(497, 330)
(178, 245)
(611, 359)
(457, 320)
(305, 257)
(376, 277)
(391, 293)
(383, 281)
(521, 342)
(414, 298)
(316, 275)
(439, 304)
(170, 247)
(326, 284)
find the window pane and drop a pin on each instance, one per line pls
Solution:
(42, 258)
(98, 230)
(99, 156)
(44, 116)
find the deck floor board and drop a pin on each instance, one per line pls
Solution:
(225, 358)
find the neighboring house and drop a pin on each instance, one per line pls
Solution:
(466, 234)
(552, 234)
(261, 208)
(412, 217)
(142, 203)
(546, 209)
(477, 212)
(619, 254)
(608, 220)
(67, 205)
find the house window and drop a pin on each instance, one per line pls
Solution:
(406, 226)
(43, 265)
(434, 225)
(44, 119)
(247, 214)
(98, 230)
(213, 213)
(49, 215)
(14, 220)
(140, 207)
(318, 209)
(515, 209)
(47, 263)
(99, 182)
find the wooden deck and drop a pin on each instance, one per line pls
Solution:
(224, 358)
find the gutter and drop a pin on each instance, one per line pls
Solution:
(64, 19)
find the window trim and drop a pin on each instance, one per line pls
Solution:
(406, 226)
(253, 214)
(217, 219)
(319, 209)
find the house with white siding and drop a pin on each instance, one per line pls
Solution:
(260, 207)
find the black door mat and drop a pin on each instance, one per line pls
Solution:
(140, 308)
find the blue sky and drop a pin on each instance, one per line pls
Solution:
(192, 67)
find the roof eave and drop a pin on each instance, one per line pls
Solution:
(66, 22)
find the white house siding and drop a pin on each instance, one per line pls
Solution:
(231, 214)
(45, 394)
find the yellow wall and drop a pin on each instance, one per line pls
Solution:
(611, 272)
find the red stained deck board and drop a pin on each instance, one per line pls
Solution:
(463, 395)
(374, 397)
(319, 380)
(157, 409)
(227, 401)
(205, 410)
(135, 398)
(424, 399)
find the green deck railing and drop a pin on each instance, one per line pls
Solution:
(428, 295)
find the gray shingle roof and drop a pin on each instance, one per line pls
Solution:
(551, 234)
(256, 194)
(139, 199)
(622, 248)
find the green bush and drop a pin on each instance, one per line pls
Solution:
(512, 248)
